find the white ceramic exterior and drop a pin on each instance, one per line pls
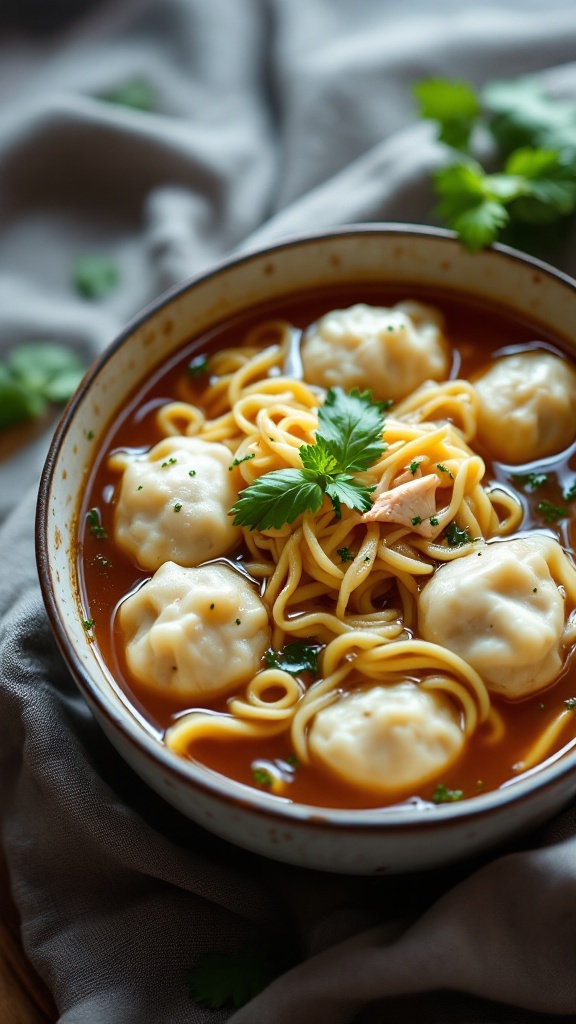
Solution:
(357, 842)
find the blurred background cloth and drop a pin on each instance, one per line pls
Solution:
(257, 119)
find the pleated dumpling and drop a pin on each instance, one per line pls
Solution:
(174, 503)
(194, 632)
(527, 406)
(387, 738)
(389, 350)
(500, 608)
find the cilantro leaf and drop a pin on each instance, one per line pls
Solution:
(454, 105)
(522, 115)
(33, 375)
(354, 424)
(231, 979)
(344, 489)
(277, 498)
(319, 457)
(94, 276)
(298, 656)
(17, 402)
(137, 93)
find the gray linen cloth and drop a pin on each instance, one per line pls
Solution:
(272, 116)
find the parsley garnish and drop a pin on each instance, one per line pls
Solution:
(434, 520)
(345, 554)
(349, 439)
(178, 506)
(95, 276)
(455, 537)
(34, 375)
(262, 777)
(570, 494)
(231, 979)
(169, 462)
(531, 480)
(571, 703)
(299, 656)
(416, 521)
(88, 624)
(198, 366)
(534, 184)
(95, 524)
(245, 458)
(444, 470)
(414, 466)
(549, 512)
(443, 795)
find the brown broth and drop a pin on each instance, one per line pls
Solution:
(106, 574)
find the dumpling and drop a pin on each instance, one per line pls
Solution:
(174, 503)
(391, 351)
(194, 632)
(527, 406)
(388, 737)
(500, 609)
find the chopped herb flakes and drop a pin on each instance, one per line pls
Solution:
(169, 462)
(345, 554)
(292, 760)
(444, 470)
(414, 466)
(198, 366)
(571, 703)
(456, 537)
(88, 623)
(531, 481)
(95, 524)
(178, 506)
(262, 777)
(294, 658)
(238, 622)
(191, 472)
(245, 458)
(434, 520)
(570, 494)
(416, 521)
(549, 512)
(443, 795)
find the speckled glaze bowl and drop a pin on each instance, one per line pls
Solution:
(360, 841)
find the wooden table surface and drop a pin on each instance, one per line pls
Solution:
(24, 999)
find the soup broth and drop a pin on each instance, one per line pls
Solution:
(502, 738)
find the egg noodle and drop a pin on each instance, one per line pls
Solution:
(350, 583)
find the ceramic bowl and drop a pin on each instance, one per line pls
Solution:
(361, 841)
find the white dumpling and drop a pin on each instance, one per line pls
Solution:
(388, 737)
(391, 351)
(527, 406)
(174, 503)
(194, 632)
(499, 608)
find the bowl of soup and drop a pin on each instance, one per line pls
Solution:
(305, 537)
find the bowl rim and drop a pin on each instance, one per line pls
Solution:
(401, 818)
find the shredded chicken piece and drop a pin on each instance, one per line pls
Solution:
(409, 504)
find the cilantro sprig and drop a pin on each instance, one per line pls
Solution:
(533, 184)
(232, 979)
(349, 440)
(33, 376)
(296, 657)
